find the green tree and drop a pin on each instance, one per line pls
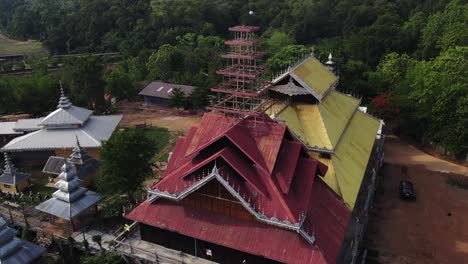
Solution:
(84, 76)
(178, 99)
(445, 29)
(439, 92)
(164, 62)
(286, 56)
(276, 41)
(119, 84)
(126, 162)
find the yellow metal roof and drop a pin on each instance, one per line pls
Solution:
(305, 121)
(336, 109)
(352, 155)
(319, 126)
(348, 163)
(330, 177)
(315, 75)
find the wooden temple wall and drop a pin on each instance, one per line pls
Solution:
(215, 198)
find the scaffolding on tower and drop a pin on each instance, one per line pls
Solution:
(241, 93)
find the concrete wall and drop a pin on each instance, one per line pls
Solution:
(156, 101)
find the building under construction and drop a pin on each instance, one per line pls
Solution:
(242, 187)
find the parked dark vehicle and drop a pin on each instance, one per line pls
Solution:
(407, 191)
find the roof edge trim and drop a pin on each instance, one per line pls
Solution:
(155, 194)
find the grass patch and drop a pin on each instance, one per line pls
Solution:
(30, 49)
(163, 154)
(160, 136)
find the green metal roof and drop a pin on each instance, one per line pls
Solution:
(315, 75)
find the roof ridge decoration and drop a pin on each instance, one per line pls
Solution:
(246, 202)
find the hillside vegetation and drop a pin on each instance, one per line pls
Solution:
(408, 59)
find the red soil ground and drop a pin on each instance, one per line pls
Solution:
(434, 228)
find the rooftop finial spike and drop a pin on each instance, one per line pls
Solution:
(330, 61)
(64, 102)
(215, 169)
(77, 142)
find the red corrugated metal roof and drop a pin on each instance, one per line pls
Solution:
(283, 194)
(288, 157)
(255, 238)
(328, 218)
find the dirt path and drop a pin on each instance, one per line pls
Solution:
(137, 114)
(404, 154)
(434, 228)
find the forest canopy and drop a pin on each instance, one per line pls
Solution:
(407, 59)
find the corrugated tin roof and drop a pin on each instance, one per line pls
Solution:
(64, 117)
(7, 128)
(329, 125)
(336, 110)
(69, 211)
(315, 76)
(280, 200)
(16, 251)
(70, 200)
(91, 135)
(164, 90)
(352, 154)
(28, 124)
(320, 125)
(255, 238)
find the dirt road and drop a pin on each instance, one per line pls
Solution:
(434, 228)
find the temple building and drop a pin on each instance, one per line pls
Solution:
(86, 167)
(245, 190)
(240, 187)
(57, 132)
(329, 123)
(12, 181)
(71, 206)
(14, 250)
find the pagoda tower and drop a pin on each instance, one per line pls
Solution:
(240, 93)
